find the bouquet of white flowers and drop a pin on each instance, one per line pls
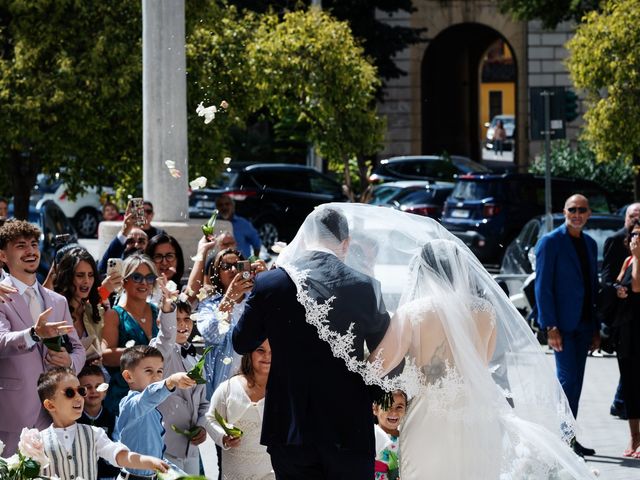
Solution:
(30, 459)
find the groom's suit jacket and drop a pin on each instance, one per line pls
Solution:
(311, 396)
(20, 366)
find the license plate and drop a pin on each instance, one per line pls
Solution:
(460, 213)
(205, 204)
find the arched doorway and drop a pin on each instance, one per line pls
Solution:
(452, 73)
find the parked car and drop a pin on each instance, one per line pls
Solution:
(85, 211)
(509, 123)
(488, 211)
(420, 198)
(276, 198)
(51, 221)
(425, 167)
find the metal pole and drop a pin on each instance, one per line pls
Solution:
(548, 218)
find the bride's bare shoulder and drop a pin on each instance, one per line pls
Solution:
(418, 310)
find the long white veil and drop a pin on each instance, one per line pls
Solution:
(447, 314)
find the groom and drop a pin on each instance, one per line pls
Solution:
(317, 417)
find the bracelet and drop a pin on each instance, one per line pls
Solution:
(103, 292)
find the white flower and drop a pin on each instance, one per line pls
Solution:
(224, 104)
(223, 327)
(197, 339)
(202, 294)
(103, 387)
(227, 160)
(31, 445)
(13, 461)
(221, 316)
(226, 360)
(183, 297)
(1, 447)
(130, 343)
(194, 316)
(171, 286)
(170, 164)
(198, 183)
(209, 113)
(277, 247)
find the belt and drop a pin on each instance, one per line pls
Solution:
(124, 475)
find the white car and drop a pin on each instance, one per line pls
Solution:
(85, 211)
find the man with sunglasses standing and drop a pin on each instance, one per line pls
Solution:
(566, 289)
(29, 316)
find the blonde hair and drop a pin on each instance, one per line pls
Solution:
(132, 262)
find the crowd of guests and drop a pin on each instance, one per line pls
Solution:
(97, 358)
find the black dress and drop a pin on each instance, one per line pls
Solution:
(627, 338)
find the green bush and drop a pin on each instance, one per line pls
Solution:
(615, 176)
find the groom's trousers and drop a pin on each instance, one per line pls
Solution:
(320, 462)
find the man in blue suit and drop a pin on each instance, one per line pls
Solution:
(566, 288)
(317, 421)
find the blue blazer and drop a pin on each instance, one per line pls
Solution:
(311, 396)
(559, 284)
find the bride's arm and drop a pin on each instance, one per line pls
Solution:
(395, 343)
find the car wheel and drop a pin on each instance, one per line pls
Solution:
(86, 222)
(268, 232)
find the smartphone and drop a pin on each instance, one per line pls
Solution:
(137, 207)
(244, 267)
(114, 265)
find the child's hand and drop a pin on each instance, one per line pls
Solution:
(153, 463)
(200, 437)
(231, 442)
(179, 380)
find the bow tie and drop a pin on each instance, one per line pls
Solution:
(190, 350)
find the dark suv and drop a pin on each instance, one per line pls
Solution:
(488, 211)
(276, 198)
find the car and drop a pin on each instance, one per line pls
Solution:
(509, 123)
(276, 198)
(424, 167)
(488, 211)
(420, 198)
(85, 211)
(53, 223)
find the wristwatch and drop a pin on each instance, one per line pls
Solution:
(34, 335)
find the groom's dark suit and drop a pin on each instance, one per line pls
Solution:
(317, 418)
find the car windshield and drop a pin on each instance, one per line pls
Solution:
(469, 166)
(47, 184)
(383, 194)
(474, 190)
(413, 196)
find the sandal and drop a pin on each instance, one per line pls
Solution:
(629, 452)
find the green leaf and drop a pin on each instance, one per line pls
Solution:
(196, 372)
(190, 433)
(208, 228)
(30, 468)
(174, 475)
(229, 430)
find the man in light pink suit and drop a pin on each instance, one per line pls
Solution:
(29, 313)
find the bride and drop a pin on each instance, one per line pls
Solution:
(484, 402)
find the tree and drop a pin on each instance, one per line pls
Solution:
(70, 76)
(312, 69)
(605, 61)
(550, 12)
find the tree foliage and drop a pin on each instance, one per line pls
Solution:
(550, 12)
(615, 176)
(312, 69)
(605, 62)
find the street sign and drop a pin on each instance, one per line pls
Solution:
(556, 112)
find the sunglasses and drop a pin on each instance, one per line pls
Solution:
(228, 266)
(634, 234)
(139, 278)
(577, 209)
(70, 392)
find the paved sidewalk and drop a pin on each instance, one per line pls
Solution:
(606, 434)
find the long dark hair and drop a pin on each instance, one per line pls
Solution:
(63, 283)
(214, 267)
(165, 238)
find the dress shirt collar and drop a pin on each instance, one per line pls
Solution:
(66, 435)
(22, 287)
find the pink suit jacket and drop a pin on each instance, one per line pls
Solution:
(20, 366)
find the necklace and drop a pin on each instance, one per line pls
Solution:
(139, 317)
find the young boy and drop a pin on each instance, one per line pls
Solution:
(91, 378)
(387, 433)
(73, 449)
(186, 409)
(139, 425)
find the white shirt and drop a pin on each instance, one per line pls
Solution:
(107, 448)
(22, 288)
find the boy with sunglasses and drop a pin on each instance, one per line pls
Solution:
(73, 449)
(139, 425)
